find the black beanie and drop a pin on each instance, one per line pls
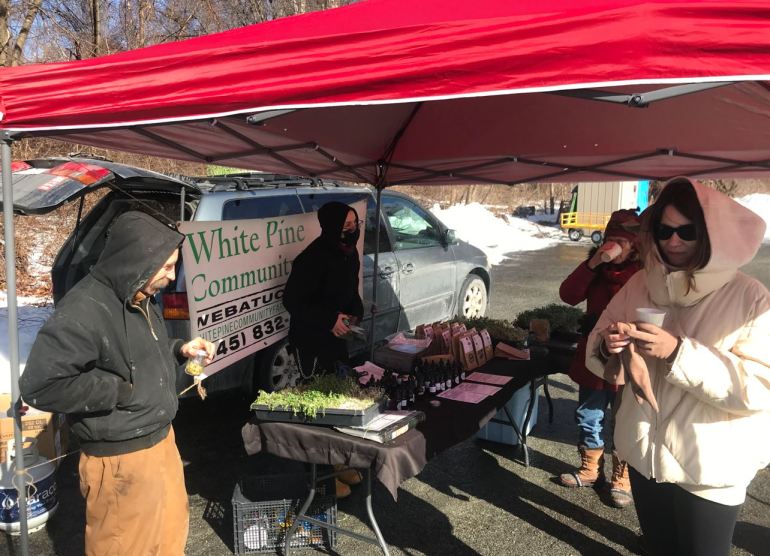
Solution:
(332, 218)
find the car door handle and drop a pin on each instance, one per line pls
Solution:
(408, 268)
(386, 272)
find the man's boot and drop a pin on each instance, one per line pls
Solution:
(620, 487)
(342, 490)
(591, 469)
(348, 476)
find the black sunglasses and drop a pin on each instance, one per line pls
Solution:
(685, 233)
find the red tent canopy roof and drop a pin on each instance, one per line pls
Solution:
(429, 86)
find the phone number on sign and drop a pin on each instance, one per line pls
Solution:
(243, 339)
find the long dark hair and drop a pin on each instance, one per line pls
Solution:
(680, 194)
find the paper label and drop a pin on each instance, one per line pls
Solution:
(446, 338)
(478, 345)
(487, 340)
(468, 353)
(485, 337)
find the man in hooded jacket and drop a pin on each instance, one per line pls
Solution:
(321, 294)
(104, 359)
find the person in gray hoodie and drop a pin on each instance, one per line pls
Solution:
(104, 359)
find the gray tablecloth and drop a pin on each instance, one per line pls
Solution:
(447, 423)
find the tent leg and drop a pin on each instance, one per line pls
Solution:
(375, 274)
(13, 338)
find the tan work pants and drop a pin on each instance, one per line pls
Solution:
(136, 504)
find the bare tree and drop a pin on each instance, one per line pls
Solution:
(96, 27)
(11, 49)
(73, 23)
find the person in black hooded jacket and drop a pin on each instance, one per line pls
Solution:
(104, 359)
(321, 294)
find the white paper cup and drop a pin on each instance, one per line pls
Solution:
(610, 251)
(650, 315)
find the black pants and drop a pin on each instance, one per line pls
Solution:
(320, 359)
(677, 523)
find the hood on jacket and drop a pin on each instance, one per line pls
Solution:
(735, 235)
(138, 245)
(735, 232)
(332, 217)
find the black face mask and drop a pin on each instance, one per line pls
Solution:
(351, 238)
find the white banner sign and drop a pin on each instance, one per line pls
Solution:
(235, 271)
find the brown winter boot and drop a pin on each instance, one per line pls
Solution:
(620, 486)
(341, 489)
(348, 476)
(591, 469)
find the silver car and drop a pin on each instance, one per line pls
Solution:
(424, 273)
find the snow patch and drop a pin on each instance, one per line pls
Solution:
(32, 312)
(495, 235)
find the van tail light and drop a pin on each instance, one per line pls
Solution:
(87, 174)
(175, 306)
(19, 165)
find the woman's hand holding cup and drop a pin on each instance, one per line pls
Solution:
(609, 251)
(651, 339)
(605, 254)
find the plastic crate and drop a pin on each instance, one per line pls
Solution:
(264, 508)
(517, 405)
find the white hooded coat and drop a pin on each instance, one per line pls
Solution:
(712, 433)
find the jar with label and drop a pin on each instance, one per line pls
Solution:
(195, 365)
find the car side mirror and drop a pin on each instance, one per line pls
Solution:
(449, 237)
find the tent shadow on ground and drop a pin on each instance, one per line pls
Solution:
(751, 537)
(212, 474)
(208, 435)
(523, 499)
(409, 523)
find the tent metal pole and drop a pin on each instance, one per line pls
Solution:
(19, 479)
(378, 222)
(382, 171)
(642, 100)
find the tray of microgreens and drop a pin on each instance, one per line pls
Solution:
(326, 400)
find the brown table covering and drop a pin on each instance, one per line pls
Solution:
(447, 422)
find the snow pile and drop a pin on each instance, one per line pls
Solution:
(32, 314)
(495, 235)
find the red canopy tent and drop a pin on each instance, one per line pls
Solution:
(426, 91)
(445, 91)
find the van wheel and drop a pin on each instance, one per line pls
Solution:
(275, 368)
(473, 297)
(596, 237)
(574, 234)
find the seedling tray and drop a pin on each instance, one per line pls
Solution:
(332, 417)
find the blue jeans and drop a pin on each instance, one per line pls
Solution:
(591, 414)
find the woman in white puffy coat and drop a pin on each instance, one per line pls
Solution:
(708, 364)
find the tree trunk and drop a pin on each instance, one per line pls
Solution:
(21, 38)
(5, 34)
(96, 28)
